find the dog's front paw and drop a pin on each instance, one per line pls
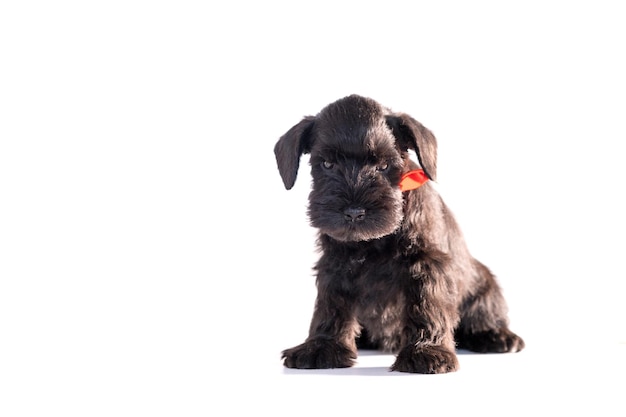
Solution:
(492, 341)
(319, 354)
(426, 360)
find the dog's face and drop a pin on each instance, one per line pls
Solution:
(359, 151)
(356, 167)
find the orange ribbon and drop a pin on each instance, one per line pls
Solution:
(413, 179)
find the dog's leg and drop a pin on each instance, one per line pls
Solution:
(331, 341)
(431, 316)
(484, 325)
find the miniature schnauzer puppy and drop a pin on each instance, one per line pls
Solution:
(394, 272)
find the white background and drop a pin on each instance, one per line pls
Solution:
(151, 262)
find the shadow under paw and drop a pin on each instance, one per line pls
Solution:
(491, 341)
(319, 354)
(426, 360)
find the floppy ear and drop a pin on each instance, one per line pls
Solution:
(412, 134)
(290, 147)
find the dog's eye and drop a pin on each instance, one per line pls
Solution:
(327, 165)
(382, 167)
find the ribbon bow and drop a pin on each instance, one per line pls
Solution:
(413, 179)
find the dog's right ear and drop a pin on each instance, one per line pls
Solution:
(290, 147)
(411, 134)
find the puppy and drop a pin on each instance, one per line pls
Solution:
(394, 272)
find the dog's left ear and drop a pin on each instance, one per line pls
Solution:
(412, 134)
(290, 147)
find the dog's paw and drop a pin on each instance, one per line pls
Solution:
(319, 354)
(426, 360)
(492, 341)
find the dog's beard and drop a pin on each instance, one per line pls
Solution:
(383, 215)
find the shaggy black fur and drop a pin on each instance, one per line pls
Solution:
(394, 272)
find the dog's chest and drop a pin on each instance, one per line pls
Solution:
(379, 285)
(381, 301)
(372, 272)
(377, 279)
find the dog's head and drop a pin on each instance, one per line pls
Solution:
(359, 153)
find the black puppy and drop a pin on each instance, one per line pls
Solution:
(394, 272)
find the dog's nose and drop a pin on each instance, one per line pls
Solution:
(354, 214)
